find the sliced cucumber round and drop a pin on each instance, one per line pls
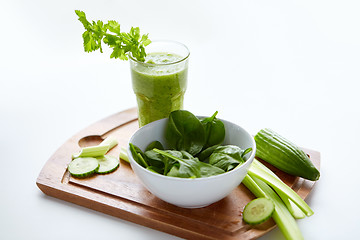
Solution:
(108, 164)
(258, 211)
(83, 167)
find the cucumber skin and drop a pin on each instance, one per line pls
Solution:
(110, 170)
(84, 175)
(284, 155)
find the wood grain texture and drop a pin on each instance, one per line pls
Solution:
(121, 194)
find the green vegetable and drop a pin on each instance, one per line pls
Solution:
(205, 154)
(123, 155)
(284, 155)
(279, 186)
(260, 180)
(154, 169)
(189, 167)
(281, 215)
(107, 164)
(83, 167)
(161, 163)
(138, 155)
(258, 211)
(97, 151)
(292, 207)
(156, 159)
(154, 144)
(93, 151)
(109, 33)
(196, 150)
(84, 163)
(109, 141)
(227, 157)
(185, 132)
(214, 130)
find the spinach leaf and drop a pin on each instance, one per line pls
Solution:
(155, 159)
(214, 130)
(155, 169)
(186, 155)
(160, 162)
(189, 167)
(227, 157)
(182, 168)
(138, 155)
(154, 144)
(169, 162)
(185, 132)
(181, 171)
(205, 154)
(246, 151)
(207, 170)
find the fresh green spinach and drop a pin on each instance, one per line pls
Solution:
(138, 155)
(162, 163)
(155, 144)
(196, 149)
(185, 132)
(189, 167)
(227, 157)
(205, 154)
(214, 131)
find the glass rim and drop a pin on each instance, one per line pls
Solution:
(163, 64)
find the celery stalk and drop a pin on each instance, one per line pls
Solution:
(110, 141)
(279, 186)
(253, 187)
(97, 151)
(123, 154)
(93, 151)
(283, 218)
(293, 208)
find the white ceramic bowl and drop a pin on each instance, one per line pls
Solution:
(191, 193)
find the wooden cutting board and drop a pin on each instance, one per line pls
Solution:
(121, 194)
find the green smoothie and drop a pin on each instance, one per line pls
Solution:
(159, 84)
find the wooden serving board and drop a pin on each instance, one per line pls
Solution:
(121, 194)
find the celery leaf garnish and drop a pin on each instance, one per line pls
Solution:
(122, 43)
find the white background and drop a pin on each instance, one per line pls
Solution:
(293, 66)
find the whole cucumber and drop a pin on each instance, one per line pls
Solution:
(284, 155)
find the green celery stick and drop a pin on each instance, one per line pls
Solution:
(93, 151)
(280, 186)
(110, 141)
(123, 155)
(293, 208)
(99, 150)
(283, 218)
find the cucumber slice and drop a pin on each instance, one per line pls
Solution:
(83, 167)
(258, 211)
(108, 164)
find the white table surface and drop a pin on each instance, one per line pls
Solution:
(293, 66)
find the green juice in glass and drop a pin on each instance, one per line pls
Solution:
(159, 84)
